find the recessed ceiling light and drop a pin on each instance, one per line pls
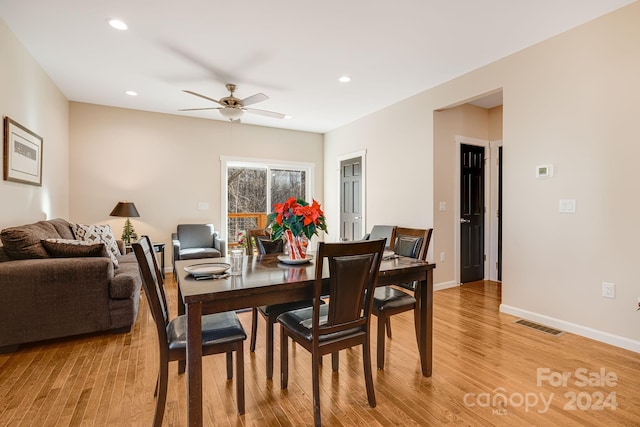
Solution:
(287, 117)
(131, 93)
(344, 79)
(117, 24)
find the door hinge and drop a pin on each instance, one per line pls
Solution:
(485, 257)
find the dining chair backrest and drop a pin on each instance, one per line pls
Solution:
(387, 232)
(252, 235)
(353, 274)
(413, 242)
(153, 286)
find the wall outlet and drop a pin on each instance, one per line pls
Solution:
(203, 206)
(442, 257)
(608, 290)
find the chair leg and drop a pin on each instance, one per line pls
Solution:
(335, 361)
(368, 376)
(416, 315)
(315, 369)
(382, 320)
(163, 380)
(240, 377)
(269, 355)
(254, 329)
(388, 325)
(229, 365)
(284, 359)
(155, 392)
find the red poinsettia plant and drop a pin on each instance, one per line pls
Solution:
(298, 216)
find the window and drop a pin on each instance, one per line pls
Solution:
(252, 188)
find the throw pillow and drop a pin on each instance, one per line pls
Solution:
(65, 248)
(98, 234)
(23, 242)
(267, 246)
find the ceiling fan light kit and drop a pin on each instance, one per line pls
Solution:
(231, 113)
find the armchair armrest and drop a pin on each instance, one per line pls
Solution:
(220, 244)
(175, 254)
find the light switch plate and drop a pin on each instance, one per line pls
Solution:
(567, 206)
(203, 206)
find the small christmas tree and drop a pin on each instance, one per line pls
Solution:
(128, 233)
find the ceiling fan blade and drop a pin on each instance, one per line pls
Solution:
(265, 113)
(254, 99)
(198, 109)
(202, 96)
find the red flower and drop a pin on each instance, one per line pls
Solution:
(282, 209)
(310, 213)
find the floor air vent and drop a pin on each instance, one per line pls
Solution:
(541, 328)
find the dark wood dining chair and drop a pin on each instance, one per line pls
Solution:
(252, 236)
(389, 300)
(264, 246)
(341, 323)
(221, 332)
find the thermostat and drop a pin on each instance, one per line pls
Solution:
(544, 171)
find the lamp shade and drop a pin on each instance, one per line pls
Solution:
(125, 209)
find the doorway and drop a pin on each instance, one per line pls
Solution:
(472, 213)
(350, 199)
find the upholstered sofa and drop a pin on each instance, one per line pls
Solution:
(51, 286)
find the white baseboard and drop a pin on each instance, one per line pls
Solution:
(445, 285)
(584, 331)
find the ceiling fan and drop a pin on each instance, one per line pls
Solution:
(233, 108)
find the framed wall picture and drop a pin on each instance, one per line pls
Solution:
(22, 154)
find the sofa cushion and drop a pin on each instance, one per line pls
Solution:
(23, 242)
(65, 248)
(63, 228)
(195, 253)
(98, 234)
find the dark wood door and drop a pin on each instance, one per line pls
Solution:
(351, 199)
(471, 213)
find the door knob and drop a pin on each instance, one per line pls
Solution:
(464, 221)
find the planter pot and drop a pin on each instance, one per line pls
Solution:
(296, 245)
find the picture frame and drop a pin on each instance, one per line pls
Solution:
(22, 154)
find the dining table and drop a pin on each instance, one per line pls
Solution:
(265, 280)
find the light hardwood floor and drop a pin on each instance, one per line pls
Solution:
(487, 371)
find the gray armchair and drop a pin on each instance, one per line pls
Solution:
(195, 241)
(387, 232)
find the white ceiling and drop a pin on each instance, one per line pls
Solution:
(291, 50)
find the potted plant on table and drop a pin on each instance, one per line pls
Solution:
(296, 221)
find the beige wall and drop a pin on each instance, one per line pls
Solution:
(495, 123)
(166, 164)
(399, 183)
(28, 97)
(571, 101)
